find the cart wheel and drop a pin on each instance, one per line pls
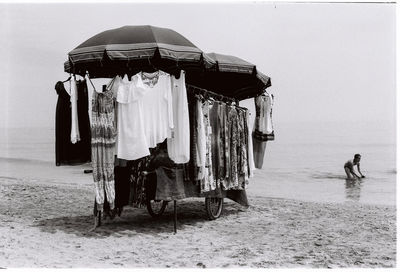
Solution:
(156, 207)
(214, 207)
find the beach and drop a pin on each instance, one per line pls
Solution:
(47, 224)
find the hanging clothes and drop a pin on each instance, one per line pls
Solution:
(179, 144)
(200, 145)
(227, 149)
(169, 176)
(216, 144)
(263, 122)
(250, 147)
(242, 150)
(155, 106)
(144, 114)
(75, 137)
(263, 129)
(84, 144)
(208, 183)
(137, 196)
(122, 186)
(103, 147)
(223, 130)
(233, 126)
(131, 139)
(170, 185)
(67, 153)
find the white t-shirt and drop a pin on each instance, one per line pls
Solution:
(155, 106)
(179, 144)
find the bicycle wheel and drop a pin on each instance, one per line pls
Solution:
(214, 207)
(156, 207)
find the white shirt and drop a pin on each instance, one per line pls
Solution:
(131, 140)
(155, 106)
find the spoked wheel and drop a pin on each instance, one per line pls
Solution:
(156, 207)
(214, 207)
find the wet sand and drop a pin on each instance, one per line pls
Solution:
(47, 224)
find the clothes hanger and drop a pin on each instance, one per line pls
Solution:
(94, 88)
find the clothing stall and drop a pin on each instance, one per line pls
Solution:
(167, 126)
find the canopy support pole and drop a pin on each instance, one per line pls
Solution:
(175, 216)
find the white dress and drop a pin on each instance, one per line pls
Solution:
(250, 147)
(179, 144)
(266, 114)
(75, 136)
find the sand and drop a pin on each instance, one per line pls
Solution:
(47, 224)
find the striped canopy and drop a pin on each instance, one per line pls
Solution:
(130, 49)
(133, 47)
(233, 77)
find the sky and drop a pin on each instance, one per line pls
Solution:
(329, 62)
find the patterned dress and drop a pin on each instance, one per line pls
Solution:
(234, 148)
(242, 151)
(103, 146)
(209, 183)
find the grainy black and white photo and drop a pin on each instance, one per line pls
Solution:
(156, 134)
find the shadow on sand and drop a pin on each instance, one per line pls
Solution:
(135, 221)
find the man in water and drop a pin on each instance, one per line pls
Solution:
(349, 167)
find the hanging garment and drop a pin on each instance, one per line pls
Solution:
(170, 185)
(227, 140)
(223, 128)
(216, 144)
(131, 139)
(250, 147)
(201, 146)
(242, 151)
(137, 196)
(122, 186)
(84, 144)
(191, 170)
(233, 126)
(75, 137)
(103, 147)
(67, 153)
(263, 121)
(263, 129)
(259, 147)
(169, 176)
(179, 144)
(208, 183)
(155, 106)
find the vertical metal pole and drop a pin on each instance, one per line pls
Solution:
(175, 216)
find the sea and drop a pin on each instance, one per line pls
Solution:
(304, 162)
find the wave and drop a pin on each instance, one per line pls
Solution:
(21, 160)
(328, 176)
